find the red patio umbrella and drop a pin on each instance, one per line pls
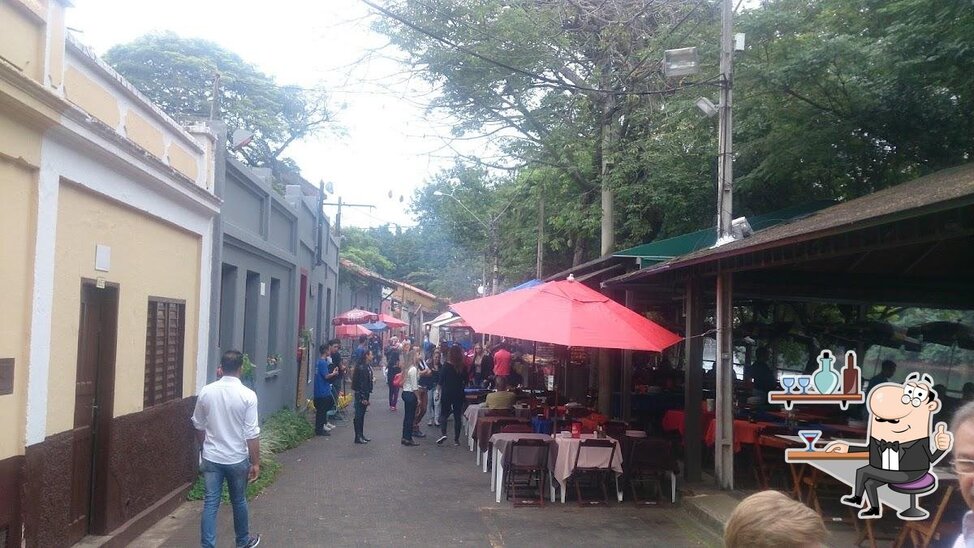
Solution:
(350, 331)
(355, 316)
(564, 312)
(393, 323)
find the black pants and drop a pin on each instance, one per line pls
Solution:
(448, 406)
(869, 479)
(359, 420)
(322, 407)
(409, 401)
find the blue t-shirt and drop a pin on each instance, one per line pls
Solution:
(322, 384)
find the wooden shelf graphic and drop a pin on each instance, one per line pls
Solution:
(791, 398)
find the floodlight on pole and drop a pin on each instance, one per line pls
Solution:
(706, 107)
(680, 62)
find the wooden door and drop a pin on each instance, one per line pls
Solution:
(94, 387)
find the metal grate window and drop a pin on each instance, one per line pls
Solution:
(164, 351)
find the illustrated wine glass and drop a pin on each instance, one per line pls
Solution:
(810, 437)
(788, 382)
(804, 381)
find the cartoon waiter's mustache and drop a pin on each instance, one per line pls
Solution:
(891, 421)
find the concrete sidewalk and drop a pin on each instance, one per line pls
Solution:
(333, 492)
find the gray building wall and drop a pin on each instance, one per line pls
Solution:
(355, 291)
(277, 258)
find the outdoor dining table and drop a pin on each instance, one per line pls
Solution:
(486, 427)
(561, 461)
(745, 432)
(470, 416)
(502, 444)
(674, 421)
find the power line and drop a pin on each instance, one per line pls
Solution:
(523, 72)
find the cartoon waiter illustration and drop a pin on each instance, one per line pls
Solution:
(900, 450)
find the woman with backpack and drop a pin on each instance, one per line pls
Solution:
(453, 378)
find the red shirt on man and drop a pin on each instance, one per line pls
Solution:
(502, 362)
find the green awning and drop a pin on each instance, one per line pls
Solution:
(664, 250)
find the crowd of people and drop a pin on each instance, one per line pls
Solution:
(429, 380)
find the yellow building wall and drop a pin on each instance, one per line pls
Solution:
(18, 206)
(22, 37)
(55, 68)
(148, 258)
(183, 161)
(91, 97)
(144, 134)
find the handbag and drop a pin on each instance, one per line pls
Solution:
(397, 380)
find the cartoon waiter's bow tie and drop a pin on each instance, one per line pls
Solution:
(884, 445)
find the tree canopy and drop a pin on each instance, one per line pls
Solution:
(178, 74)
(833, 99)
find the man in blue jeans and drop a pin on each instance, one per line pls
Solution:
(226, 425)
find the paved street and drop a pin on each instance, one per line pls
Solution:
(383, 494)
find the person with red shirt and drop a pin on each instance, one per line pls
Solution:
(502, 363)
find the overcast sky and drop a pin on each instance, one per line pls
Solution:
(389, 145)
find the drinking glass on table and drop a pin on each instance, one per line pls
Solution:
(810, 437)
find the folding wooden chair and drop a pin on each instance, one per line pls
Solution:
(648, 461)
(600, 473)
(526, 465)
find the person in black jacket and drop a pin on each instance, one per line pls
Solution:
(362, 382)
(453, 378)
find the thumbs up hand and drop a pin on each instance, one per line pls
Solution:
(943, 439)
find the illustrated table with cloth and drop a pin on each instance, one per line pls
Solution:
(561, 461)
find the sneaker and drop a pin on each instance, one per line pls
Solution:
(418, 434)
(254, 540)
(323, 433)
(409, 443)
(441, 440)
(456, 442)
(328, 427)
(430, 423)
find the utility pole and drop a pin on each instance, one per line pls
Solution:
(338, 215)
(215, 101)
(724, 360)
(540, 233)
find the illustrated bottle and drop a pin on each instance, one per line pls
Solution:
(851, 374)
(825, 379)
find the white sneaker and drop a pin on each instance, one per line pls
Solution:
(329, 426)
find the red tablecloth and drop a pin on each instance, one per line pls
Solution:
(674, 421)
(745, 432)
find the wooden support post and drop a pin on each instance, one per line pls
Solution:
(625, 391)
(724, 362)
(693, 386)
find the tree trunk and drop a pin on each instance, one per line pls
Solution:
(610, 141)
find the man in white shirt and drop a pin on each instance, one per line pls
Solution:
(226, 425)
(962, 425)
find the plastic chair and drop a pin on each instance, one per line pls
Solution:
(649, 460)
(599, 472)
(526, 460)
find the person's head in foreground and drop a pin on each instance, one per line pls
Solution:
(962, 426)
(770, 519)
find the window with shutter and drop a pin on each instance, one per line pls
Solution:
(164, 351)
